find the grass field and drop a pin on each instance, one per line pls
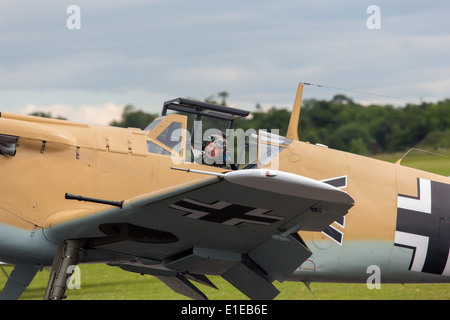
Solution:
(101, 282)
(439, 164)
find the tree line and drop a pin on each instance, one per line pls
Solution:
(342, 124)
(345, 125)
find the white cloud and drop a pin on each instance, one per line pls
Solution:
(144, 53)
(92, 114)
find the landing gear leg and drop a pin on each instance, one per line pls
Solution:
(65, 257)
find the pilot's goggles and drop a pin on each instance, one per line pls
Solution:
(220, 143)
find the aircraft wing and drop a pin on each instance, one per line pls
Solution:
(241, 225)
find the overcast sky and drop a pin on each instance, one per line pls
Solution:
(144, 52)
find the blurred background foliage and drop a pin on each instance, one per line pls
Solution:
(341, 123)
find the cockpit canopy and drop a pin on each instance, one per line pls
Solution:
(182, 135)
(204, 109)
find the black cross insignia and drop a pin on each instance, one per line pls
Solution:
(224, 212)
(423, 225)
(330, 231)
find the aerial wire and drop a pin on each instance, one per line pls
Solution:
(355, 91)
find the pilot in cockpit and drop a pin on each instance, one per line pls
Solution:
(215, 149)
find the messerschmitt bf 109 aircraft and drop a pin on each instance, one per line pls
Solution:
(148, 201)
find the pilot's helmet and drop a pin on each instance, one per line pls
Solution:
(219, 139)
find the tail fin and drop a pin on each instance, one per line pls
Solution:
(292, 132)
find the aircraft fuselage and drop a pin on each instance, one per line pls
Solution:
(400, 222)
